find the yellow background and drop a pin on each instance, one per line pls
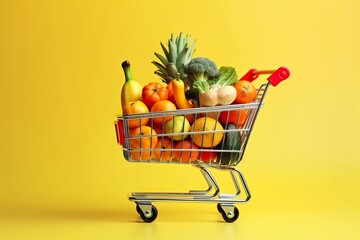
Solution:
(62, 175)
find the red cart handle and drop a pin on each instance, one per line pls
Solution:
(119, 132)
(275, 78)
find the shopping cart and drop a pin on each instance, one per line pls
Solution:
(141, 148)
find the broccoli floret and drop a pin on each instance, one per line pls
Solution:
(199, 72)
(201, 68)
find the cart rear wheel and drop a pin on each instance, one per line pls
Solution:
(147, 216)
(231, 216)
(229, 213)
(138, 209)
(219, 208)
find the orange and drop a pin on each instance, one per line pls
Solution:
(136, 107)
(160, 106)
(164, 143)
(236, 117)
(246, 92)
(143, 138)
(185, 155)
(209, 138)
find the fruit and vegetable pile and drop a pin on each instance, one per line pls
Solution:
(158, 132)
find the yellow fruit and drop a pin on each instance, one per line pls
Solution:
(131, 90)
(208, 138)
(178, 127)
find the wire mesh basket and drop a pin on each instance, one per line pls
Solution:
(214, 137)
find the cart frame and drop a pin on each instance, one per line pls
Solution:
(225, 201)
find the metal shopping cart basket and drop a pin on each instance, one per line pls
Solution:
(179, 148)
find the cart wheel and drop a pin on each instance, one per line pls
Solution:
(147, 216)
(230, 216)
(219, 208)
(138, 209)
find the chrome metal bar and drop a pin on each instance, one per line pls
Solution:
(201, 195)
(236, 183)
(212, 181)
(175, 199)
(208, 181)
(243, 183)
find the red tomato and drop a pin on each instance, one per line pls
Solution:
(154, 92)
(207, 156)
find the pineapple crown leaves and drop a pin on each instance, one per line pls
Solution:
(177, 55)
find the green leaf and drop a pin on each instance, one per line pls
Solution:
(172, 70)
(181, 57)
(172, 51)
(161, 68)
(192, 48)
(166, 52)
(228, 76)
(201, 86)
(162, 59)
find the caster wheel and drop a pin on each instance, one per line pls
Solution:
(230, 216)
(138, 209)
(147, 216)
(219, 208)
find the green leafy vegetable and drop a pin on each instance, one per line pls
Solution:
(228, 77)
(201, 69)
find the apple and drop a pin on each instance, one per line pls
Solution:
(178, 124)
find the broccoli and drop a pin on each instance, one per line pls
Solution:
(199, 72)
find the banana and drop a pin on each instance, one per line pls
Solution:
(131, 90)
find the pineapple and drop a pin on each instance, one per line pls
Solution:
(178, 54)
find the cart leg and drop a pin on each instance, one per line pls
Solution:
(235, 171)
(211, 182)
(208, 181)
(236, 183)
(192, 194)
(239, 183)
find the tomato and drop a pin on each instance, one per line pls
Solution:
(154, 92)
(171, 96)
(207, 156)
(185, 155)
(136, 107)
(164, 143)
(144, 140)
(236, 117)
(246, 92)
(160, 106)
